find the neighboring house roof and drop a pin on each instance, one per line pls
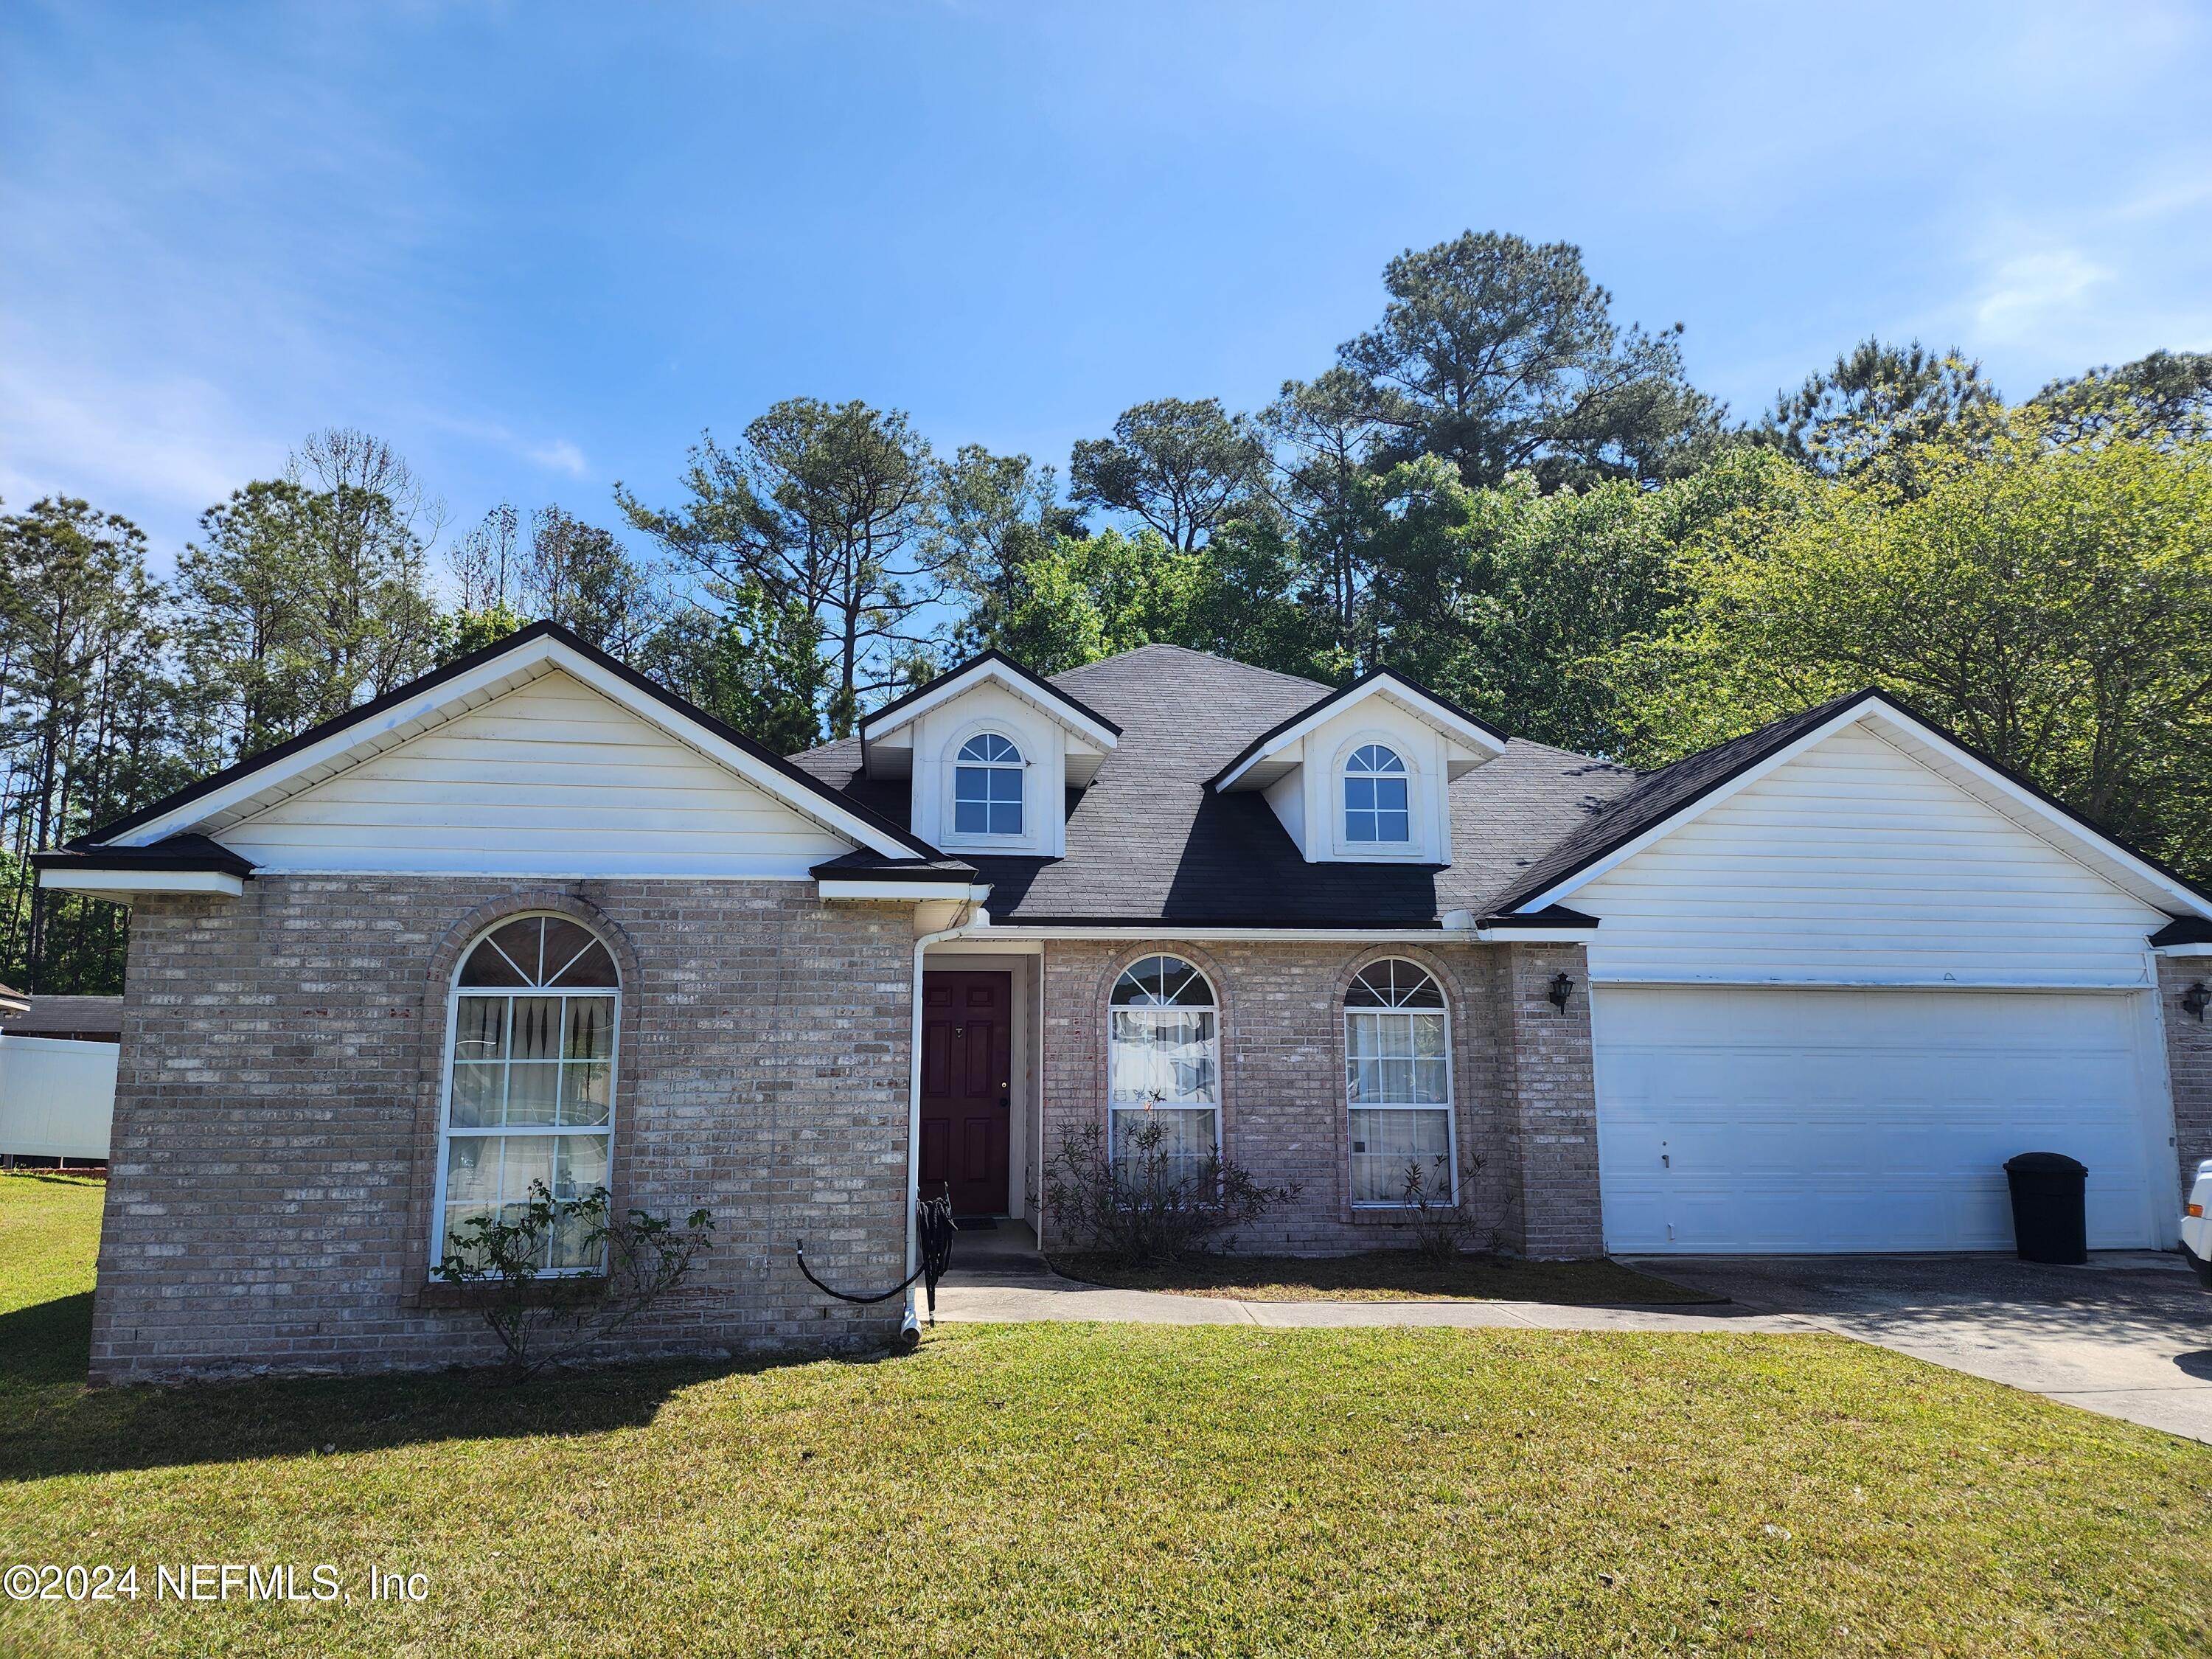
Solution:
(541, 646)
(84, 1019)
(13, 1002)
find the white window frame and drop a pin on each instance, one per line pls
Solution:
(454, 993)
(1020, 766)
(1450, 1106)
(1115, 1111)
(1411, 799)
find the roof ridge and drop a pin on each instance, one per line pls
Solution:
(1299, 680)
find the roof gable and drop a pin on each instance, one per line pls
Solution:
(1677, 795)
(255, 786)
(992, 667)
(1250, 768)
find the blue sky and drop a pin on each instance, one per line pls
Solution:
(541, 246)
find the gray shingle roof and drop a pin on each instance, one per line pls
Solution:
(1149, 841)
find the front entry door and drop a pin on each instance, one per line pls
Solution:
(967, 1078)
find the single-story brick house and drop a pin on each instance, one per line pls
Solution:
(533, 916)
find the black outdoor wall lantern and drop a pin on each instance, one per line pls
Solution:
(1563, 987)
(2196, 998)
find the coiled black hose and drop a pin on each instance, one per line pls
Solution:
(933, 1227)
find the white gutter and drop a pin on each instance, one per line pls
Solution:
(966, 923)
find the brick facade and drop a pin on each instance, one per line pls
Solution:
(1521, 1073)
(275, 1131)
(2188, 1061)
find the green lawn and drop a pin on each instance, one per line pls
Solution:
(1386, 1276)
(1143, 1490)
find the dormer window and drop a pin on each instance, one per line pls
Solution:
(1375, 808)
(987, 787)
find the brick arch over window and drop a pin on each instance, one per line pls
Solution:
(442, 963)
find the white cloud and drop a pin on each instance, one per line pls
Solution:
(554, 454)
(2037, 295)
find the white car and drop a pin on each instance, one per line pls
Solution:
(2196, 1225)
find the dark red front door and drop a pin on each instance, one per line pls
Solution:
(967, 1077)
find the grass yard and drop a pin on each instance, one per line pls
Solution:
(1386, 1276)
(1031, 1490)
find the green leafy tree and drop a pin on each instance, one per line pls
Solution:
(1878, 405)
(1520, 604)
(754, 662)
(373, 624)
(1326, 435)
(827, 506)
(510, 571)
(1179, 466)
(247, 620)
(1500, 355)
(997, 513)
(86, 726)
(2051, 603)
(2167, 395)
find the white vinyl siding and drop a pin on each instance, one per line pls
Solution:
(1739, 1120)
(1855, 864)
(551, 779)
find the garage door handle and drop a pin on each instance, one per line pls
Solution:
(1666, 1161)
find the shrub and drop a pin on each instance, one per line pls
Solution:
(1151, 1205)
(1443, 1226)
(543, 1317)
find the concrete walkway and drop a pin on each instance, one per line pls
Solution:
(2130, 1336)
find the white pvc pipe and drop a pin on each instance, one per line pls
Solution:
(913, 1321)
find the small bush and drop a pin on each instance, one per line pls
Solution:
(542, 1318)
(1153, 1206)
(1443, 1226)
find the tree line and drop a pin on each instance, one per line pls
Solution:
(1500, 488)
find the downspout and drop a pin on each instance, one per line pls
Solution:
(967, 922)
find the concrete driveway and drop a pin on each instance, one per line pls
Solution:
(2129, 1335)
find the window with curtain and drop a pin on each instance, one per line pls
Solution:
(1397, 1070)
(529, 1077)
(1164, 1061)
(1375, 800)
(987, 787)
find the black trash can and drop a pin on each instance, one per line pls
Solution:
(2047, 1220)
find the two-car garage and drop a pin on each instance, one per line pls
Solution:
(1735, 1119)
(1834, 988)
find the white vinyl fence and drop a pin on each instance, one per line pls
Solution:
(56, 1098)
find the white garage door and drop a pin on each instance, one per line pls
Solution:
(1736, 1120)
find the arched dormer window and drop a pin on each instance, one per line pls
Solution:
(530, 1078)
(1376, 809)
(988, 787)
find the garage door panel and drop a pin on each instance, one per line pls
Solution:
(1740, 1119)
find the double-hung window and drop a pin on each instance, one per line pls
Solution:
(530, 1079)
(1164, 1065)
(1397, 1070)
